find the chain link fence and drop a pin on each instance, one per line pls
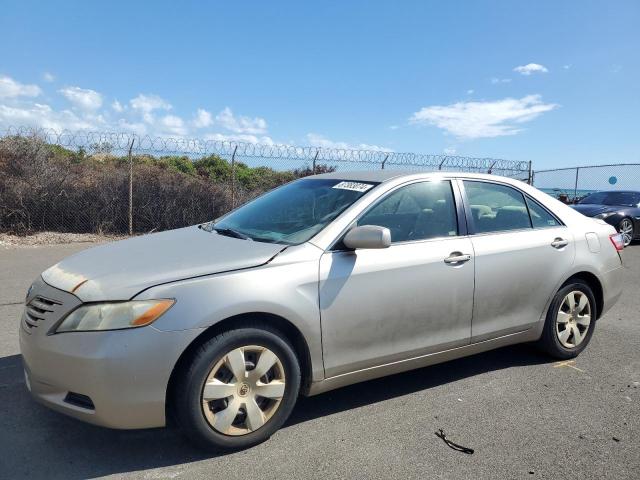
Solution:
(122, 183)
(572, 184)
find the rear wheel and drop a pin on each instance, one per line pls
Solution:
(237, 389)
(625, 227)
(570, 321)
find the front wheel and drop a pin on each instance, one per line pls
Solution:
(237, 389)
(626, 229)
(570, 321)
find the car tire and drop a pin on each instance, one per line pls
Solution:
(565, 324)
(204, 421)
(625, 227)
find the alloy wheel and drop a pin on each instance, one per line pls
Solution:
(573, 319)
(626, 229)
(243, 390)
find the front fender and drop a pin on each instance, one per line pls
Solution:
(288, 290)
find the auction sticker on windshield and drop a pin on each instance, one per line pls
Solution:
(355, 186)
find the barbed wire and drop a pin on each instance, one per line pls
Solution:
(96, 141)
(123, 183)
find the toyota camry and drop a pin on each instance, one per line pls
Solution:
(326, 281)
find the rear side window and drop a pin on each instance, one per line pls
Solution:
(416, 212)
(540, 218)
(496, 208)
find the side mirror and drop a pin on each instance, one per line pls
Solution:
(367, 236)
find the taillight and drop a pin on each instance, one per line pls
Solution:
(617, 240)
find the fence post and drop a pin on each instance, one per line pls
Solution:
(314, 160)
(385, 160)
(131, 187)
(442, 162)
(233, 178)
(530, 179)
(575, 187)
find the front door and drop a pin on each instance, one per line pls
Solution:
(413, 298)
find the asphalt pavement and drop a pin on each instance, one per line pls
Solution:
(525, 415)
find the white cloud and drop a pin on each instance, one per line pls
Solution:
(530, 68)
(483, 119)
(470, 91)
(245, 125)
(173, 125)
(48, 77)
(17, 109)
(567, 66)
(221, 137)
(318, 140)
(83, 98)
(449, 151)
(394, 127)
(124, 125)
(202, 119)
(149, 103)
(145, 114)
(41, 116)
(10, 88)
(496, 80)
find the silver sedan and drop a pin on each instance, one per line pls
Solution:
(324, 282)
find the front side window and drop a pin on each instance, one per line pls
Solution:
(416, 212)
(496, 208)
(293, 213)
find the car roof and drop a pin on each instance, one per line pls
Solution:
(386, 175)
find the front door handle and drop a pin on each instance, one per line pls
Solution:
(559, 243)
(456, 258)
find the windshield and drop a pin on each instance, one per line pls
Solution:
(630, 199)
(293, 213)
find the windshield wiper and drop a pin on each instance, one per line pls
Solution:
(230, 232)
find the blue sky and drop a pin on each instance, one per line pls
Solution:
(554, 82)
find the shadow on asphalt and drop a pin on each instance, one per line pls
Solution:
(36, 442)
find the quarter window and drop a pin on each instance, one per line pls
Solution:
(416, 212)
(496, 208)
(540, 218)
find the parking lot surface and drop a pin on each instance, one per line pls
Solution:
(525, 415)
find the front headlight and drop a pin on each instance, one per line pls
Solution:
(114, 316)
(604, 215)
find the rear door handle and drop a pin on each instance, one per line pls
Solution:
(457, 258)
(559, 243)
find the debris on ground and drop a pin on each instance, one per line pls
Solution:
(53, 238)
(440, 434)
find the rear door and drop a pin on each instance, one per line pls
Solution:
(521, 252)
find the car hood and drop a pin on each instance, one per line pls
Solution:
(592, 209)
(120, 270)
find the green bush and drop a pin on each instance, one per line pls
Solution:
(49, 187)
